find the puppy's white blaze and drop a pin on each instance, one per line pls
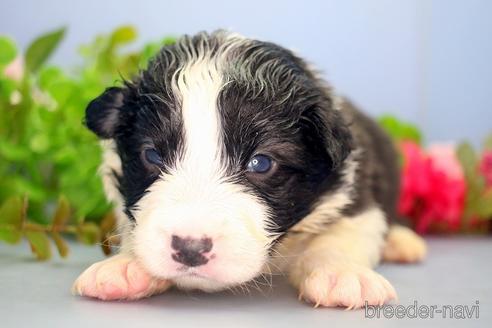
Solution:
(194, 198)
(198, 86)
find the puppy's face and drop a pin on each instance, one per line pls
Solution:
(224, 143)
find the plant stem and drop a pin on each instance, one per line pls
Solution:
(36, 227)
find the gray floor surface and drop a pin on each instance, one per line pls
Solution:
(458, 272)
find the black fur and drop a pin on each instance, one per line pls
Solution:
(294, 123)
(102, 115)
(273, 105)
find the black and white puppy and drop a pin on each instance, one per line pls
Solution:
(228, 156)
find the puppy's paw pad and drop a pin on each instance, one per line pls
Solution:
(117, 278)
(403, 245)
(346, 288)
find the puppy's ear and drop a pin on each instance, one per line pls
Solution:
(327, 133)
(103, 114)
(339, 140)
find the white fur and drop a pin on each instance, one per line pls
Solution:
(111, 162)
(195, 199)
(198, 85)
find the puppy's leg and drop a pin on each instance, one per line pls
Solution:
(117, 278)
(403, 246)
(335, 268)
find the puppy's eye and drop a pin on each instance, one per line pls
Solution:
(152, 157)
(260, 164)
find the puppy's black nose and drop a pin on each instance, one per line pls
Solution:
(190, 251)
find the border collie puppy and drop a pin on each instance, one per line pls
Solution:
(228, 157)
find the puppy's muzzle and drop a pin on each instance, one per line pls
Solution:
(191, 251)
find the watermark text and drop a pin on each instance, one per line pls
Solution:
(423, 311)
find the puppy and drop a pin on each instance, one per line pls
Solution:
(228, 157)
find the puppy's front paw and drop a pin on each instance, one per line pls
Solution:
(117, 278)
(350, 288)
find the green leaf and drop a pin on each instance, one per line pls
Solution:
(468, 158)
(89, 233)
(61, 91)
(39, 143)
(10, 234)
(169, 40)
(41, 48)
(123, 34)
(61, 244)
(62, 213)
(40, 244)
(484, 205)
(487, 144)
(48, 76)
(23, 185)
(11, 212)
(13, 152)
(8, 50)
(400, 130)
(7, 88)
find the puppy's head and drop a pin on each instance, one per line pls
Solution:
(224, 144)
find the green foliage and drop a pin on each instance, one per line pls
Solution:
(7, 51)
(11, 220)
(40, 244)
(40, 50)
(487, 143)
(400, 130)
(478, 203)
(47, 157)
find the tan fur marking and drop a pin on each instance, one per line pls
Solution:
(403, 245)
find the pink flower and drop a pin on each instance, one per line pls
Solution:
(444, 159)
(15, 70)
(433, 188)
(486, 167)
